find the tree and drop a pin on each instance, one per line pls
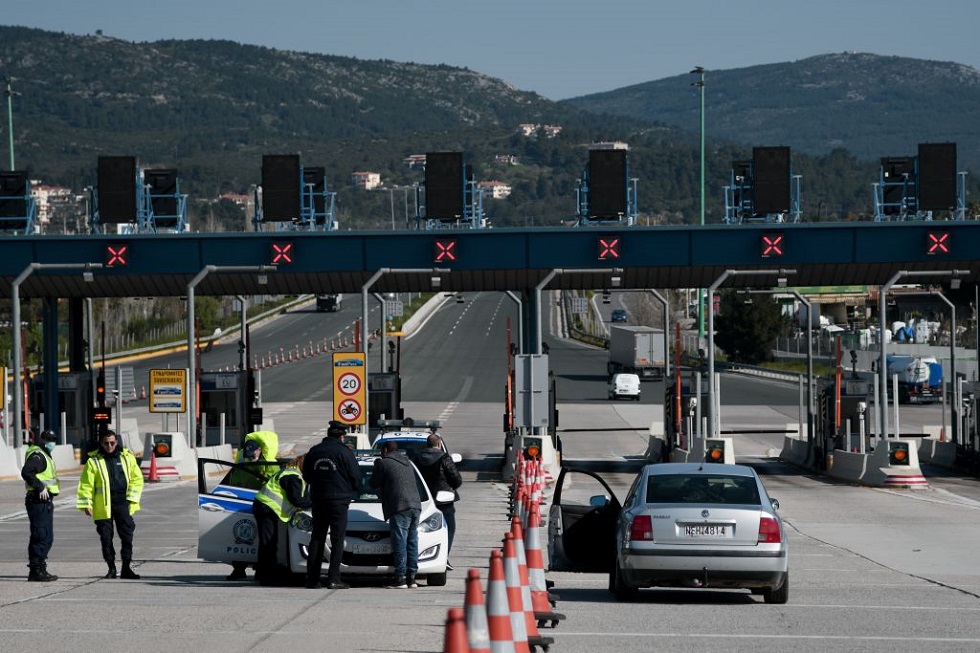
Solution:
(748, 325)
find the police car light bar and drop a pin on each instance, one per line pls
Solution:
(432, 424)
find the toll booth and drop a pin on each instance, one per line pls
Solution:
(384, 397)
(231, 394)
(74, 400)
(674, 433)
(854, 401)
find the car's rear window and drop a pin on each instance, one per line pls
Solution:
(702, 488)
(368, 494)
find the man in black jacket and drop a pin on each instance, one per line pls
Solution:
(441, 475)
(401, 504)
(333, 474)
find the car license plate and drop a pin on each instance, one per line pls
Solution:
(371, 548)
(708, 530)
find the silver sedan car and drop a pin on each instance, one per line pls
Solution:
(681, 525)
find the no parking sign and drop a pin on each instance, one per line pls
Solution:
(349, 395)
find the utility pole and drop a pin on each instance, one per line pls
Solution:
(699, 71)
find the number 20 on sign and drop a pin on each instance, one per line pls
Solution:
(349, 383)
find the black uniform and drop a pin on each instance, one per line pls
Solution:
(334, 476)
(40, 512)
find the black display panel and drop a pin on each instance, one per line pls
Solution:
(13, 197)
(117, 189)
(607, 184)
(444, 186)
(770, 172)
(162, 186)
(937, 176)
(280, 187)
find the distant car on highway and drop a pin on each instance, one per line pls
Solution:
(619, 315)
(227, 531)
(681, 525)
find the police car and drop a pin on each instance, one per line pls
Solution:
(227, 530)
(411, 435)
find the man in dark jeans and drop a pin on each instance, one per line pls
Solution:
(395, 475)
(441, 475)
(333, 474)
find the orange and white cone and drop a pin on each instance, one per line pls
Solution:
(518, 617)
(531, 619)
(541, 601)
(498, 609)
(455, 638)
(477, 634)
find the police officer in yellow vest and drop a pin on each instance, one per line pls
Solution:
(257, 447)
(41, 476)
(282, 497)
(109, 491)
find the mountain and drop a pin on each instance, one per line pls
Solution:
(871, 105)
(210, 102)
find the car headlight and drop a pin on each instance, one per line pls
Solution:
(431, 524)
(303, 522)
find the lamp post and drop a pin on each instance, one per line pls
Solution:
(191, 362)
(699, 71)
(882, 397)
(10, 118)
(15, 315)
(713, 407)
(954, 407)
(809, 355)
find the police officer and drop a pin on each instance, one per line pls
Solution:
(41, 476)
(109, 492)
(334, 477)
(278, 500)
(257, 447)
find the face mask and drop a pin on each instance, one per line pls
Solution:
(49, 447)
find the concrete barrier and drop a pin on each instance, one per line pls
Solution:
(795, 450)
(934, 452)
(177, 464)
(881, 473)
(695, 455)
(849, 466)
(655, 449)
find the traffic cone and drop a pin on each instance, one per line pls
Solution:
(512, 580)
(476, 614)
(455, 638)
(516, 543)
(498, 610)
(153, 476)
(541, 601)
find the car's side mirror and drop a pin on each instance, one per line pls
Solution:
(598, 501)
(456, 458)
(445, 496)
(775, 503)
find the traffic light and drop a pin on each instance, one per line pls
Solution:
(532, 447)
(898, 453)
(937, 242)
(116, 255)
(607, 248)
(444, 251)
(281, 253)
(715, 452)
(772, 245)
(163, 445)
(100, 390)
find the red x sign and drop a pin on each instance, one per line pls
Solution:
(282, 253)
(937, 242)
(116, 255)
(608, 248)
(772, 245)
(445, 251)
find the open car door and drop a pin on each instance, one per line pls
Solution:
(582, 523)
(226, 527)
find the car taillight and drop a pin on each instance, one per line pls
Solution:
(641, 528)
(769, 532)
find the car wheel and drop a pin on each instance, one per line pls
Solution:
(778, 596)
(436, 580)
(620, 588)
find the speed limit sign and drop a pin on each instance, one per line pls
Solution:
(349, 383)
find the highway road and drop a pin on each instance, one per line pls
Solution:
(871, 569)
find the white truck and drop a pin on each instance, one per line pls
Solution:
(920, 378)
(636, 350)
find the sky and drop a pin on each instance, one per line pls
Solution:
(557, 48)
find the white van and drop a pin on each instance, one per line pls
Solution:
(624, 385)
